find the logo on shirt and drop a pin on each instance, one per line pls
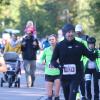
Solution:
(76, 46)
(69, 46)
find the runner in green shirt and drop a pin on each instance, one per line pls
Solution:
(52, 75)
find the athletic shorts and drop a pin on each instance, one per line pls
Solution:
(51, 78)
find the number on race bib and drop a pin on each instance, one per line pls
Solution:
(69, 69)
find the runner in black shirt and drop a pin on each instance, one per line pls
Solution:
(69, 52)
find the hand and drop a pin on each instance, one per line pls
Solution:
(43, 63)
(51, 66)
(34, 43)
(99, 70)
(97, 54)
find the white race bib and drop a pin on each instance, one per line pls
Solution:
(69, 69)
(88, 77)
(91, 65)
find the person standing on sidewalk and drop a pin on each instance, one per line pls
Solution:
(69, 52)
(29, 47)
(45, 43)
(52, 75)
(13, 45)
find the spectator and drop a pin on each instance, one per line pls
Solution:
(45, 43)
(13, 45)
(30, 28)
(29, 49)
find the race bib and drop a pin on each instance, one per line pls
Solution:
(91, 65)
(69, 69)
(50, 66)
(88, 77)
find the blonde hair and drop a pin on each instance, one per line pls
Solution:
(29, 23)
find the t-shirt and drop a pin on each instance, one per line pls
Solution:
(47, 54)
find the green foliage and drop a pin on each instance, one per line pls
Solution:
(49, 18)
(25, 15)
(44, 17)
(95, 12)
(5, 2)
(50, 15)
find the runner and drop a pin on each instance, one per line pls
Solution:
(52, 75)
(82, 38)
(69, 52)
(92, 69)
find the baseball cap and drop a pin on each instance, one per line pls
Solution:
(78, 27)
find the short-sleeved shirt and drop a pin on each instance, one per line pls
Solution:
(47, 54)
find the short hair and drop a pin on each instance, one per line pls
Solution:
(29, 23)
(52, 35)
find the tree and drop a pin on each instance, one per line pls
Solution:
(95, 12)
(25, 15)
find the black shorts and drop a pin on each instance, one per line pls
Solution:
(51, 78)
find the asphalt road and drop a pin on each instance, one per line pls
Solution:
(38, 92)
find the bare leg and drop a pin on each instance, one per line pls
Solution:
(49, 87)
(57, 87)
